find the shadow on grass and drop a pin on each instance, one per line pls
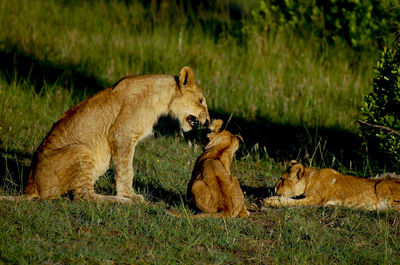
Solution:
(14, 169)
(258, 192)
(106, 186)
(279, 141)
(158, 193)
(285, 142)
(16, 65)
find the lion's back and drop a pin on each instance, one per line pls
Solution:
(356, 191)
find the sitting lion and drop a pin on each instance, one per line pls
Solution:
(329, 187)
(107, 127)
(212, 188)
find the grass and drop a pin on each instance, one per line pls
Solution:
(290, 98)
(78, 232)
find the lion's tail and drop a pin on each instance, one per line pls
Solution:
(176, 214)
(24, 197)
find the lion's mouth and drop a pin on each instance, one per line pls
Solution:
(193, 121)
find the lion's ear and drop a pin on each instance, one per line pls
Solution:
(292, 163)
(297, 170)
(215, 125)
(186, 77)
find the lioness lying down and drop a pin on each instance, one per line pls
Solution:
(329, 187)
(212, 188)
(105, 127)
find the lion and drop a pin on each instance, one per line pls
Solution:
(106, 127)
(212, 188)
(301, 186)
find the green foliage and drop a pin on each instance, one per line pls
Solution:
(359, 23)
(382, 107)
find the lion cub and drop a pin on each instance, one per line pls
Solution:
(329, 187)
(212, 188)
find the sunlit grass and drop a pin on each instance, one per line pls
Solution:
(26, 116)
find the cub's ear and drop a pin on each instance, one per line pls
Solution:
(215, 125)
(239, 137)
(186, 77)
(292, 163)
(297, 170)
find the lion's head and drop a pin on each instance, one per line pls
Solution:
(189, 106)
(224, 139)
(293, 182)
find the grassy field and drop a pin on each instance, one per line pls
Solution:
(289, 97)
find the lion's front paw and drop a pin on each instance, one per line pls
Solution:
(133, 196)
(272, 202)
(136, 197)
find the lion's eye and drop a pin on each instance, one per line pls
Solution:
(202, 102)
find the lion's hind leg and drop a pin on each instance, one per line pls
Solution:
(204, 197)
(56, 171)
(72, 168)
(388, 193)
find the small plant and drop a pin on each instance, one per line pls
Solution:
(380, 126)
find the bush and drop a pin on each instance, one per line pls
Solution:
(360, 23)
(380, 126)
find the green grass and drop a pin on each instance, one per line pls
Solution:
(290, 97)
(78, 232)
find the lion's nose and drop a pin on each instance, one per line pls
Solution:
(196, 123)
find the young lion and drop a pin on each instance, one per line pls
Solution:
(212, 188)
(106, 127)
(329, 187)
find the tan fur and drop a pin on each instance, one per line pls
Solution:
(329, 187)
(106, 127)
(212, 188)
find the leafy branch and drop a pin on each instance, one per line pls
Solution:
(390, 130)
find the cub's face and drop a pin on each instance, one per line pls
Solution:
(293, 181)
(189, 106)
